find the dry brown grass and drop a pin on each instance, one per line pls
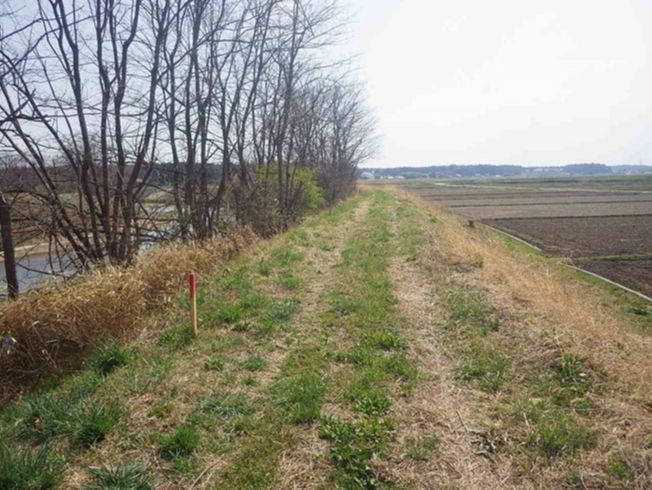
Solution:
(438, 407)
(545, 312)
(54, 328)
(573, 311)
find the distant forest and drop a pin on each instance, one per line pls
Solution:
(486, 170)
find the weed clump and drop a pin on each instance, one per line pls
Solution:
(180, 443)
(619, 469)
(215, 363)
(109, 358)
(29, 468)
(360, 355)
(96, 423)
(387, 340)
(562, 433)
(374, 403)
(255, 362)
(300, 397)
(470, 310)
(176, 338)
(354, 445)
(124, 477)
(490, 369)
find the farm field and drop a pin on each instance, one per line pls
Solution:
(592, 221)
(381, 344)
(557, 210)
(637, 273)
(583, 236)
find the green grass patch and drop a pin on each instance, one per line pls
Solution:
(300, 397)
(469, 310)
(229, 412)
(290, 282)
(489, 368)
(619, 469)
(372, 403)
(180, 443)
(361, 354)
(29, 468)
(255, 465)
(354, 445)
(254, 362)
(228, 313)
(109, 358)
(265, 268)
(217, 362)
(386, 340)
(124, 477)
(276, 315)
(299, 237)
(177, 337)
(50, 417)
(96, 422)
(560, 433)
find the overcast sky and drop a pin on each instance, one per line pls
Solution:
(507, 81)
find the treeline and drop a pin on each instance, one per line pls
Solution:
(234, 112)
(487, 170)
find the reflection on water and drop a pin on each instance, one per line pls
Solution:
(33, 271)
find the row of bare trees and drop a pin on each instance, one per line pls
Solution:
(225, 111)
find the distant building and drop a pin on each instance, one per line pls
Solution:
(367, 176)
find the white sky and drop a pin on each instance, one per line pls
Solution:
(507, 81)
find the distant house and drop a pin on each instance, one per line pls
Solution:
(367, 176)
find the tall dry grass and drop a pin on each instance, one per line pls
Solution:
(54, 328)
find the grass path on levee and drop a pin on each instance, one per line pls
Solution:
(359, 350)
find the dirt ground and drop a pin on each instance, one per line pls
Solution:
(635, 274)
(584, 236)
(557, 210)
(487, 193)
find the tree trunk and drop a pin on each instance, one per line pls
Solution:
(8, 248)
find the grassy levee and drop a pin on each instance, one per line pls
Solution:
(372, 369)
(170, 406)
(558, 376)
(383, 344)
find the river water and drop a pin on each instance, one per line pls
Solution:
(33, 272)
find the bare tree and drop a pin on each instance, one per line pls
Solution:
(73, 96)
(228, 109)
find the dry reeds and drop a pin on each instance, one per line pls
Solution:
(53, 328)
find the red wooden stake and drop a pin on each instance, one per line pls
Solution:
(192, 283)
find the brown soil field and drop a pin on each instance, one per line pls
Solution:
(635, 274)
(545, 201)
(584, 236)
(556, 211)
(598, 219)
(480, 194)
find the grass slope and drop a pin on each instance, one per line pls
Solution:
(374, 346)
